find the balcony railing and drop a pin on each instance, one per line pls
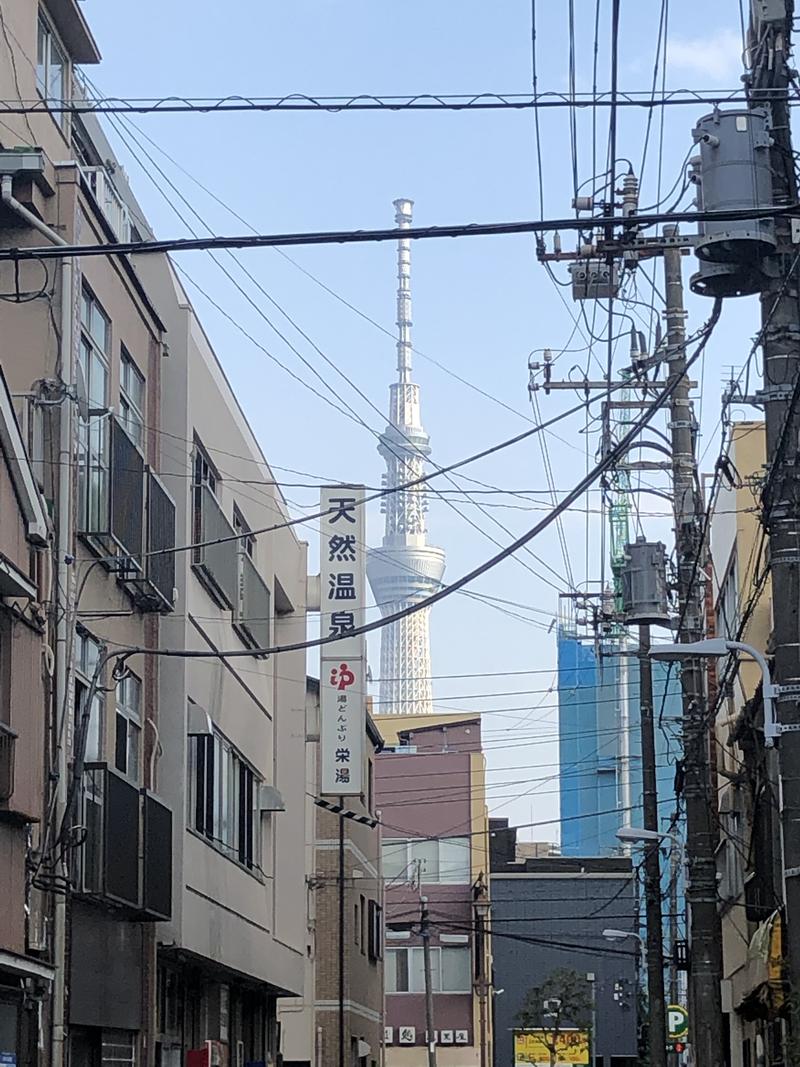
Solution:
(217, 564)
(153, 586)
(109, 201)
(8, 740)
(253, 616)
(125, 859)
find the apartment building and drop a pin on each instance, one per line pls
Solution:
(430, 790)
(343, 1001)
(748, 857)
(24, 574)
(233, 732)
(166, 891)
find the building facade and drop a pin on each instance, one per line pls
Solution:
(25, 978)
(748, 856)
(343, 999)
(548, 915)
(161, 889)
(430, 790)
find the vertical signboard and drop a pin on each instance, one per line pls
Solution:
(343, 662)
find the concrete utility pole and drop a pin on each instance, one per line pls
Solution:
(781, 498)
(656, 1005)
(705, 1003)
(425, 932)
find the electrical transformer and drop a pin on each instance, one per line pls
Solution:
(726, 279)
(735, 175)
(644, 584)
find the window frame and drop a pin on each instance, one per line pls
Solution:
(94, 447)
(131, 412)
(461, 876)
(84, 669)
(222, 799)
(204, 473)
(129, 717)
(46, 34)
(414, 967)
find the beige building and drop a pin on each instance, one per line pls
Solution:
(343, 998)
(748, 854)
(24, 574)
(174, 801)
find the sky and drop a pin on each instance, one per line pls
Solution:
(481, 305)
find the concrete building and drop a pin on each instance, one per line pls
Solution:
(431, 793)
(310, 1026)
(748, 857)
(233, 742)
(24, 571)
(171, 842)
(549, 914)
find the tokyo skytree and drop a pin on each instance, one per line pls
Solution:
(405, 569)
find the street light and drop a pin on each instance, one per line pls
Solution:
(713, 647)
(642, 836)
(621, 935)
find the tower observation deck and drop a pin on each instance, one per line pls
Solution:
(405, 569)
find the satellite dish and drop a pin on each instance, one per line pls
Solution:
(81, 395)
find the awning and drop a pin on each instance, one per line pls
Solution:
(25, 966)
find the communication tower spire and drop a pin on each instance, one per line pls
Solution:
(405, 569)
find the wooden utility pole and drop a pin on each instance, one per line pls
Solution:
(705, 969)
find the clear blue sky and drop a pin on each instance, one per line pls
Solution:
(480, 305)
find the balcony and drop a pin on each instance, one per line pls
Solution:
(126, 514)
(253, 615)
(8, 741)
(217, 566)
(125, 859)
(153, 586)
(109, 201)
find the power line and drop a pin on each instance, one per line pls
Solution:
(414, 233)
(365, 102)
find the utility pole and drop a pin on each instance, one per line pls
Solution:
(656, 1006)
(342, 1060)
(705, 930)
(781, 498)
(425, 932)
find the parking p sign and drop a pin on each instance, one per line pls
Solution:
(677, 1022)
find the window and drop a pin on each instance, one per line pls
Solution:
(362, 938)
(444, 861)
(450, 970)
(375, 930)
(223, 798)
(129, 727)
(131, 397)
(356, 923)
(204, 475)
(728, 603)
(248, 542)
(52, 70)
(118, 1047)
(93, 449)
(87, 653)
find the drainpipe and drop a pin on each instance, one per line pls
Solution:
(63, 592)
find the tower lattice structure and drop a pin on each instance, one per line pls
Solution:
(405, 569)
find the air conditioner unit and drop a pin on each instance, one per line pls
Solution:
(388, 1035)
(462, 1037)
(445, 1037)
(406, 1035)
